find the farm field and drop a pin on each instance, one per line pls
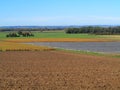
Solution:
(59, 45)
(55, 34)
(31, 67)
(10, 46)
(61, 36)
(58, 40)
(58, 71)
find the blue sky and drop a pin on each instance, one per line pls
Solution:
(59, 12)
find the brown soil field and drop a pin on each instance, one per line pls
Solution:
(57, 70)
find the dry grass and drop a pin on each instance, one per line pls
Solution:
(55, 70)
(11, 46)
(59, 40)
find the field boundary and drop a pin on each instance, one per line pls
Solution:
(89, 53)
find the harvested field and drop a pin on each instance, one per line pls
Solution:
(11, 46)
(57, 70)
(61, 40)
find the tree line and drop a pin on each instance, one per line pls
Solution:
(26, 29)
(94, 30)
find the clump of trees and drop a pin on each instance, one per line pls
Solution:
(12, 35)
(20, 33)
(94, 30)
(25, 34)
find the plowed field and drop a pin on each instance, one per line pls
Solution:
(57, 70)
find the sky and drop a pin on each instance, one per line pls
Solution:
(59, 12)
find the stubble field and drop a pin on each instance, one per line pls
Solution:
(57, 70)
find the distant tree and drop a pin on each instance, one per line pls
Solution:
(20, 32)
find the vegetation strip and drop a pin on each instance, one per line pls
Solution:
(61, 36)
(89, 53)
(10, 46)
(57, 40)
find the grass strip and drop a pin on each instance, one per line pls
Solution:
(89, 53)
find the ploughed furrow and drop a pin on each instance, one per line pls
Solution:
(58, 70)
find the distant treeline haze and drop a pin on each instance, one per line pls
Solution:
(26, 29)
(94, 30)
(77, 30)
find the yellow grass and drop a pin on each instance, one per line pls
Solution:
(11, 46)
(58, 40)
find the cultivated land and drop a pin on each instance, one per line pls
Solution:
(55, 34)
(58, 70)
(60, 36)
(10, 46)
(29, 67)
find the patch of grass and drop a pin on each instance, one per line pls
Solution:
(116, 56)
(3, 35)
(89, 53)
(81, 52)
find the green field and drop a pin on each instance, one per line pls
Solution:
(62, 34)
(3, 35)
(53, 35)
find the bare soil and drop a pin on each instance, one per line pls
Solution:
(57, 70)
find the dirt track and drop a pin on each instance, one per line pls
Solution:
(55, 70)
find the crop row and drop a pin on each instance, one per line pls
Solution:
(11, 46)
